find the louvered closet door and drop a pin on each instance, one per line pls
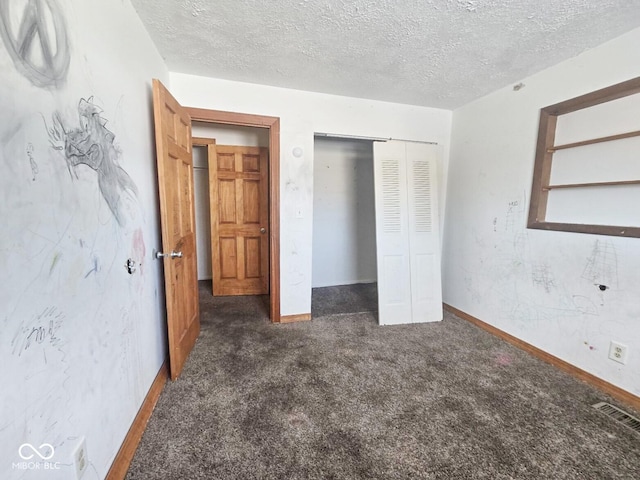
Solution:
(424, 234)
(407, 233)
(392, 233)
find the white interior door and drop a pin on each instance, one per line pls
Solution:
(407, 233)
(424, 232)
(392, 233)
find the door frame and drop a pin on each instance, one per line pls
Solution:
(273, 125)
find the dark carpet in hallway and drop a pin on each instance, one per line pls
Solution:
(341, 397)
(345, 300)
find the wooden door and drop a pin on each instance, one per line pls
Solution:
(177, 216)
(407, 233)
(238, 181)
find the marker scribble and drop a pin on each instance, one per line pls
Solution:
(40, 329)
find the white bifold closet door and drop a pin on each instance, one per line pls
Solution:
(407, 232)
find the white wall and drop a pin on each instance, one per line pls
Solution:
(81, 340)
(301, 114)
(344, 229)
(224, 135)
(539, 285)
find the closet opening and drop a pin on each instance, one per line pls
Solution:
(376, 229)
(344, 270)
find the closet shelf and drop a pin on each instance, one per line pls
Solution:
(610, 138)
(593, 184)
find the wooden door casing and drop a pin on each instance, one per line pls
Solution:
(239, 200)
(177, 216)
(273, 125)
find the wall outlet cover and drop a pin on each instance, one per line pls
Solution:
(618, 352)
(80, 459)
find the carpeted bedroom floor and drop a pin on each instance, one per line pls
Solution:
(341, 397)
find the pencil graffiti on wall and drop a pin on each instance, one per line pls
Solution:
(38, 46)
(542, 276)
(92, 144)
(602, 265)
(32, 162)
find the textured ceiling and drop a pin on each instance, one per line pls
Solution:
(437, 53)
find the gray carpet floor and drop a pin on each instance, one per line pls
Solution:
(345, 300)
(343, 398)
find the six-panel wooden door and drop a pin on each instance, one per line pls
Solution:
(238, 182)
(177, 216)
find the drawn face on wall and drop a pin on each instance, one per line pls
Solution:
(79, 149)
(92, 144)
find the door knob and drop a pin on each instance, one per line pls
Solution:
(173, 254)
(263, 230)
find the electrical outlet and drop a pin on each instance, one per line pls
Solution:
(618, 352)
(80, 459)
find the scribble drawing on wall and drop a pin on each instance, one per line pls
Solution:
(32, 161)
(602, 264)
(38, 46)
(543, 277)
(512, 217)
(92, 144)
(40, 330)
(95, 266)
(585, 305)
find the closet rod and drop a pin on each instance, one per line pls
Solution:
(375, 139)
